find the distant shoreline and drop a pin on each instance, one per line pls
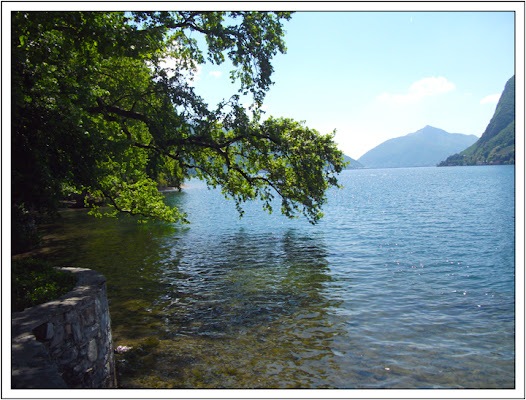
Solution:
(172, 188)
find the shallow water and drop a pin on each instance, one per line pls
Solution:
(408, 282)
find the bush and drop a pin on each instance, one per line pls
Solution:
(35, 282)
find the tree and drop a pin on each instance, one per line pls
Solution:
(96, 111)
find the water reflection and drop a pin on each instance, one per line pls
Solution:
(373, 297)
(240, 309)
(241, 280)
(244, 311)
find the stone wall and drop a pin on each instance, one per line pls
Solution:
(65, 343)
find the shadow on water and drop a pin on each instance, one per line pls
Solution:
(384, 293)
(244, 277)
(239, 310)
(243, 311)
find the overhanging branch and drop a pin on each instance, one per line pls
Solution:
(105, 108)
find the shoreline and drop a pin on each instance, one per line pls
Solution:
(172, 188)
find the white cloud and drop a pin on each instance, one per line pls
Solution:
(423, 88)
(215, 74)
(491, 99)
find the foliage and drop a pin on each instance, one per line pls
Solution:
(497, 143)
(24, 233)
(36, 282)
(97, 111)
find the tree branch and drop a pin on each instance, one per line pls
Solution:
(103, 108)
(118, 208)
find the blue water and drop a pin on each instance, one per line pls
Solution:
(407, 282)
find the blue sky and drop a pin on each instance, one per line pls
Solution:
(373, 76)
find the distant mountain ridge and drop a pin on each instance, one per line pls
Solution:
(497, 143)
(353, 164)
(423, 148)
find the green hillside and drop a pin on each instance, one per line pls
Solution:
(497, 143)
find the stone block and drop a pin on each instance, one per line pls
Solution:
(104, 320)
(98, 307)
(103, 350)
(88, 316)
(77, 333)
(44, 332)
(74, 333)
(78, 367)
(71, 316)
(67, 356)
(92, 350)
(92, 331)
(58, 336)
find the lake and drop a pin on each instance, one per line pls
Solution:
(407, 282)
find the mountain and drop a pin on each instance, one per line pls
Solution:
(497, 143)
(353, 164)
(423, 148)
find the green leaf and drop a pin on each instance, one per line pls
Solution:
(96, 111)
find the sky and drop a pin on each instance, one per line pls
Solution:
(376, 75)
